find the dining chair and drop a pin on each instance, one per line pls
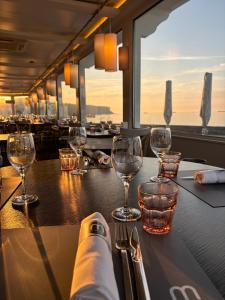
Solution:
(135, 131)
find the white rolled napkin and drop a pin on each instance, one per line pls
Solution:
(93, 276)
(210, 176)
(100, 156)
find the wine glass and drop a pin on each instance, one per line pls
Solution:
(21, 154)
(77, 140)
(160, 142)
(127, 160)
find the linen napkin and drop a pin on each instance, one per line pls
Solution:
(210, 176)
(100, 156)
(93, 277)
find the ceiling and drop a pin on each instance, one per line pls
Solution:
(33, 33)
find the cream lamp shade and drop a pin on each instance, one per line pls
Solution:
(51, 87)
(74, 76)
(40, 93)
(110, 52)
(99, 42)
(34, 97)
(67, 73)
(123, 58)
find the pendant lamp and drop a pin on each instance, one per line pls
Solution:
(110, 52)
(40, 93)
(67, 73)
(34, 97)
(51, 87)
(99, 42)
(74, 76)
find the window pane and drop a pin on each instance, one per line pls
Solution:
(183, 51)
(5, 108)
(69, 107)
(103, 95)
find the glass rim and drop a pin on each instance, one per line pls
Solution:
(171, 153)
(158, 183)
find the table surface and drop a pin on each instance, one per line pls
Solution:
(66, 199)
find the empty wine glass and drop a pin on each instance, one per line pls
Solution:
(160, 142)
(21, 154)
(77, 140)
(127, 160)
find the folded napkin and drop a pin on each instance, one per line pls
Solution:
(100, 156)
(93, 277)
(210, 176)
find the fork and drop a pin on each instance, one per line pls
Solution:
(122, 244)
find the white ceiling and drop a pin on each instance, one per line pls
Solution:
(38, 31)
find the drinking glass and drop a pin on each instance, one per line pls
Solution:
(77, 140)
(127, 160)
(21, 154)
(160, 142)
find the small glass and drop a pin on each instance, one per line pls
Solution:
(169, 164)
(157, 201)
(67, 159)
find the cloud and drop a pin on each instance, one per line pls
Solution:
(216, 68)
(174, 58)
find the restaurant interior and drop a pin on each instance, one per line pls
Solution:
(112, 149)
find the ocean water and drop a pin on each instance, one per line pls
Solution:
(178, 118)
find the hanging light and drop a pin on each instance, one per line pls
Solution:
(110, 52)
(123, 58)
(40, 93)
(99, 42)
(51, 87)
(74, 76)
(67, 73)
(34, 97)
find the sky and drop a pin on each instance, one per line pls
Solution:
(185, 46)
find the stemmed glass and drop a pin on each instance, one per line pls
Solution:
(77, 140)
(21, 154)
(127, 160)
(160, 142)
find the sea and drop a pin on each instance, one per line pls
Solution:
(178, 118)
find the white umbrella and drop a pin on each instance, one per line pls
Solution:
(205, 112)
(168, 102)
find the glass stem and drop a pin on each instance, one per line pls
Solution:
(79, 154)
(126, 190)
(22, 174)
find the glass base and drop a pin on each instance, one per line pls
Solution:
(22, 199)
(159, 179)
(129, 214)
(78, 172)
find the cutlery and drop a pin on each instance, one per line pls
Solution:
(139, 272)
(122, 244)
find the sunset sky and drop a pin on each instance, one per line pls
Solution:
(188, 44)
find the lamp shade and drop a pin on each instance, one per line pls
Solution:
(99, 42)
(40, 93)
(67, 73)
(74, 76)
(34, 97)
(123, 58)
(110, 52)
(51, 87)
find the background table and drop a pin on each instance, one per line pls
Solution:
(66, 199)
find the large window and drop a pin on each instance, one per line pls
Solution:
(182, 49)
(69, 105)
(104, 96)
(5, 108)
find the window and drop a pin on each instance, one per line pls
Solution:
(104, 96)
(68, 106)
(182, 49)
(5, 108)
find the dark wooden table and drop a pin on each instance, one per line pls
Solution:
(66, 199)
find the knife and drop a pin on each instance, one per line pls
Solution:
(139, 272)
